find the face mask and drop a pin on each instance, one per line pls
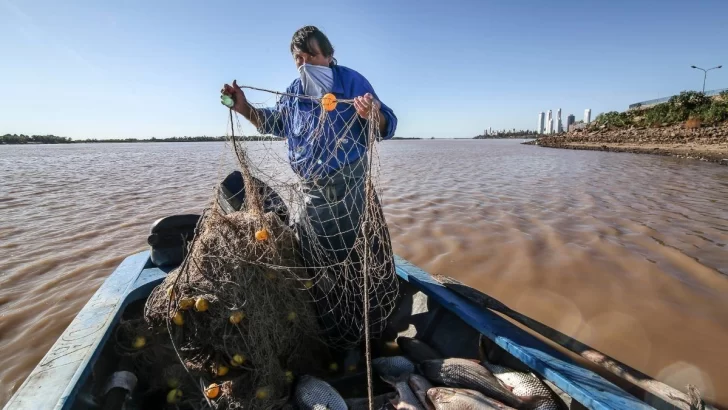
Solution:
(316, 80)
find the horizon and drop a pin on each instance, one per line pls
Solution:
(86, 70)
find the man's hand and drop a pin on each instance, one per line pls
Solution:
(367, 104)
(237, 95)
(241, 103)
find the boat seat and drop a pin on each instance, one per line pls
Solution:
(231, 196)
(169, 238)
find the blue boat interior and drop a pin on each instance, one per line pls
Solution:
(74, 372)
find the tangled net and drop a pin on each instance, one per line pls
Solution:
(266, 293)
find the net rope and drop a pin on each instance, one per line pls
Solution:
(369, 255)
(304, 254)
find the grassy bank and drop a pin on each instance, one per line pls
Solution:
(689, 125)
(688, 106)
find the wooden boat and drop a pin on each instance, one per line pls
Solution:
(80, 372)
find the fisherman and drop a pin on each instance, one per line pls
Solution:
(330, 161)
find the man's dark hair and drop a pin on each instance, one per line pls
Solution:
(302, 41)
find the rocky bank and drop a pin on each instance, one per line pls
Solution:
(708, 143)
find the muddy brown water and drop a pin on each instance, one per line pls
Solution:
(625, 252)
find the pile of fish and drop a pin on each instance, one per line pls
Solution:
(424, 380)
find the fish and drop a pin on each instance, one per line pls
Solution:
(406, 399)
(466, 374)
(417, 350)
(393, 366)
(378, 402)
(420, 386)
(315, 394)
(446, 398)
(525, 385)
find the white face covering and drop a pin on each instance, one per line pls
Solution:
(316, 80)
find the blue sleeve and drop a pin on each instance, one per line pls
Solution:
(272, 122)
(362, 87)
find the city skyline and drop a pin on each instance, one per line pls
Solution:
(138, 69)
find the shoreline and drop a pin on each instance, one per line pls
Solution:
(705, 143)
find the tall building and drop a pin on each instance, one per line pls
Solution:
(570, 120)
(550, 122)
(559, 128)
(539, 130)
(587, 116)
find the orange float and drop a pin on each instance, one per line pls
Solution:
(212, 391)
(328, 101)
(261, 235)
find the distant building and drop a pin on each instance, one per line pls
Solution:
(587, 116)
(559, 127)
(569, 121)
(550, 122)
(539, 130)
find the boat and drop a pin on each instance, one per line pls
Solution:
(80, 370)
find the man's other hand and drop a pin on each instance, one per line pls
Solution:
(237, 95)
(365, 104)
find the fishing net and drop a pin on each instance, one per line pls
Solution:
(291, 259)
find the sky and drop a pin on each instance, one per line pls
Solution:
(120, 69)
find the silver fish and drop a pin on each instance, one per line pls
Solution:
(417, 350)
(406, 399)
(467, 374)
(393, 367)
(446, 398)
(525, 385)
(420, 386)
(378, 402)
(315, 394)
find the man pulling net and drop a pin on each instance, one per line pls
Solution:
(343, 237)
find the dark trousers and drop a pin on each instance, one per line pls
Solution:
(335, 244)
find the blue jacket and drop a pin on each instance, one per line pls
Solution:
(314, 152)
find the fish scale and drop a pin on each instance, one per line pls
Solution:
(393, 366)
(315, 394)
(469, 375)
(524, 385)
(445, 398)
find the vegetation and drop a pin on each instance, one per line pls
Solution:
(52, 139)
(153, 139)
(508, 134)
(33, 139)
(688, 105)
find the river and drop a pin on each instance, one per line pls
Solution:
(625, 252)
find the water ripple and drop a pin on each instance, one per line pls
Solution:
(626, 252)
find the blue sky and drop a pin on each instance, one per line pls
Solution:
(112, 69)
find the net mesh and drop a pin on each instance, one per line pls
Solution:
(291, 259)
